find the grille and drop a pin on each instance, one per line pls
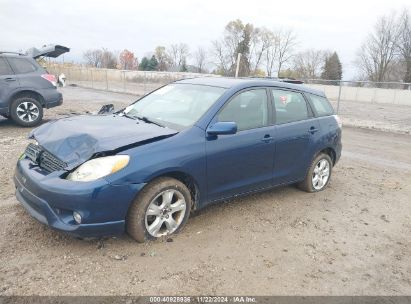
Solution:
(44, 159)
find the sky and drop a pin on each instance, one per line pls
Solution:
(140, 26)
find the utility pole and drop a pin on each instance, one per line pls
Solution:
(238, 64)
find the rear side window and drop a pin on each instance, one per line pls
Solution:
(22, 65)
(289, 106)
(249, 110)
(321, 105)
(4, 67)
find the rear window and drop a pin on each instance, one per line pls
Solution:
(321, 105)
(22, 65)
(4, 67)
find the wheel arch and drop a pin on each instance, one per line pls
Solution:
(330, 152)
(26, 93)
(187, 179)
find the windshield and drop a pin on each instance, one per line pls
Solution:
(175, 105)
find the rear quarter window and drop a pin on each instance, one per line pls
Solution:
(321, 105)
(22, 65)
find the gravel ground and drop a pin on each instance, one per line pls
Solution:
(351, 239)
(377, 116)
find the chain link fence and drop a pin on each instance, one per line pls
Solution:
(383, 105)
(377, 105)
(131, 82)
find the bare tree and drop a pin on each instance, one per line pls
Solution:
(108, 59)
(308, 64)
(287, 41)
(271, 53)
(93, 57)
(178, 54)
(237, 38)
(404, 43)
(162, 58)
(222, 57)
(101, 58)
(257, 46)
(378, 52)
(280, 49)
(200, 59)
(261, 40)
(172, 53)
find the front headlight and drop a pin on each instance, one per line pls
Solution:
(99, 167)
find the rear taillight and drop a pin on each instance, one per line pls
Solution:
(51, 78)
(339, 121)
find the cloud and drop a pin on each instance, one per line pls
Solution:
(142, 25)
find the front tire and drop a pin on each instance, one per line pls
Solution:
(162, 208)
(26, 111)
(318, 175)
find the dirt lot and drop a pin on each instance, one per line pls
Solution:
(352, 239)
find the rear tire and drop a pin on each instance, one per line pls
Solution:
(161, 208)
(26, 111)
(318, 175)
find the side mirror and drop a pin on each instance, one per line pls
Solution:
(106, 109)
(222, 128)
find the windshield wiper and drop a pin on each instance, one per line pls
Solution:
(147, 120)
(128, 116)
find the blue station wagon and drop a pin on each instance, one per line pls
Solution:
(145, 168)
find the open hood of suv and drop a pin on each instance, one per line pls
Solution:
(76, 139)
(51, 50)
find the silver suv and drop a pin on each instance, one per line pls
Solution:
(25, 89)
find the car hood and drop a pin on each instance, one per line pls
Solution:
(76, 139)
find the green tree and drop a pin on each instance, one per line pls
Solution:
(144, 64)
(152, 64)
(238, 37)
(332, 68)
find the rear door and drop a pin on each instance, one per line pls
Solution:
(242, 162)
(296, 129)
(8, 82)
(28, 72)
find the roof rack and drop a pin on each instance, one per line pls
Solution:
(15, 53)
(281, 79)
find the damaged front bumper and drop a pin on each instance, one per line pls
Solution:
(52, 200)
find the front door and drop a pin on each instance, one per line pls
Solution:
(241, 162)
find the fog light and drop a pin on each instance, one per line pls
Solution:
(77, 217)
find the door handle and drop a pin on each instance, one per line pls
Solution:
(10, 79)
(313, 130)
(267, 138)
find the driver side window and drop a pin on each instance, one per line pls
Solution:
(249, 110)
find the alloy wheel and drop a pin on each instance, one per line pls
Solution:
(165, 213)
(27, 111)
(321, 174)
